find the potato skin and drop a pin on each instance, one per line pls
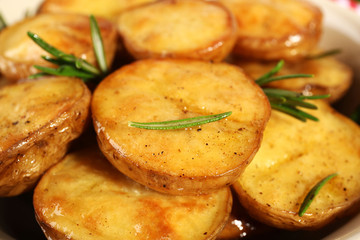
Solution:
(69, 33)
(38, 120)
(158, 90)
(293, 157)
(277, 29)
(85, 197)
(170, 29)
(330, 76)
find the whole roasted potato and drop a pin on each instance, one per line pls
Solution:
(85, 197)
(294, 156)
(69, 33)
(38, 119)
(194, 160)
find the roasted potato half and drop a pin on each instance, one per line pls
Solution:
(85, 197)
(38, 119)
(278, 29)
(330, 76)
(105, 8)
(68, 32)
(183, 161)
(203, 30)
(293, 157)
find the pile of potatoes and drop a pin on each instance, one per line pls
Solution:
(170, 60)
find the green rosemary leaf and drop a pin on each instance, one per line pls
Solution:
(324, 54)
(300, 103)
(315, 96)
(302, 116)
(269, 74)
(65, 70)
(37, 75)
(355, 116)
(272, 79)
(98, 44)
(47, 47)
(280, 92)
(55, 61)
(2, 22)
(312, 194)
(182, 123)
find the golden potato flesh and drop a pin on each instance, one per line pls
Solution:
(330, 76)
(184, 161)
(37, 121)
(178, 29)
(105, 8)
(85, 197)
(293, 157)
(69, 33)
(278, 29)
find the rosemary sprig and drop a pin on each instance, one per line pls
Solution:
(2, 22)
(70, 65)
(287, 101)
(312, 194)
(323, 54)
(182, 123)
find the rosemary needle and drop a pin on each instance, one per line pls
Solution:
(312, 194)
(182, 123)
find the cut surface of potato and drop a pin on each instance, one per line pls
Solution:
(85, 197)
(330, 76)
(105, 8)
(203, 30)
(276, 29)
(69, 33)
(37, 121)
(293, 157)
(183, 161)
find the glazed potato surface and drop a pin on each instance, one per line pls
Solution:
(330, 76)
(293, 157)
(277, 29)
(85, 197)
(184, 161)
(37, 121)
(105, 8)
(202, 30)
(69, 33)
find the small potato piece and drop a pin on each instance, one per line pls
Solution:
(85, 197)
(69, 33)
(277, 29)
(293, 157)
(105, 8)
(184, 161)
(201, 30)
(330, 76)
(37, 121)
